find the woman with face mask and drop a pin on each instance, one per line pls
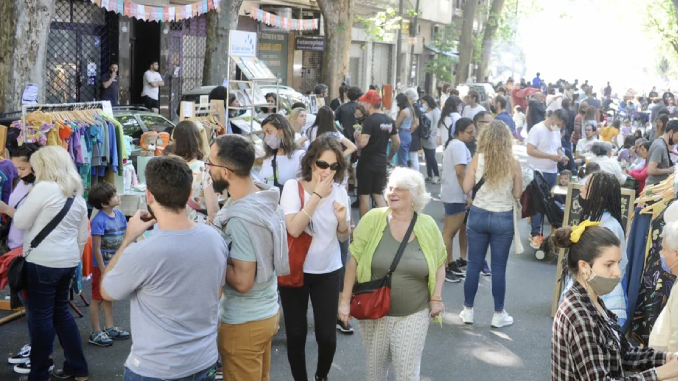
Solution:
(282, 161)
(664, 336)
(587, 343)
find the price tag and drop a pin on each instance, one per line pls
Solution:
(187, 108)
(204, 101)
(30, 95)
(108, 109)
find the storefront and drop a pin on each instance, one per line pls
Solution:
(308, 58)
(273, 51)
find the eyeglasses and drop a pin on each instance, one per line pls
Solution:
(208, 164)
(324, 165)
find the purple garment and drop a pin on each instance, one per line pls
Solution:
(7, 167)
(624, 155)
(15, 238)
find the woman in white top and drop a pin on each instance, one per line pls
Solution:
(187, 144)
(429, 145)
(603, 152)
(282, 161)
(324, 216)
(497, 179)
(297, 119)
(51, 265)
(448, 117)
(324, 125)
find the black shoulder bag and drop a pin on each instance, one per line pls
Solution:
(16, 274)
(274, 164)
(372, 300)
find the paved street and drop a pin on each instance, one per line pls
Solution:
(453, 351)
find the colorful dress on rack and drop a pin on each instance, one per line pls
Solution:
(655, 286)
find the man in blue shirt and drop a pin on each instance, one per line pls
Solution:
(536, 82)
(500, 105)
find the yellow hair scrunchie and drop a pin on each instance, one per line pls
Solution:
(578, 230)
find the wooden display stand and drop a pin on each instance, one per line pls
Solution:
(191, 110)
(573, 217)
(19, 312)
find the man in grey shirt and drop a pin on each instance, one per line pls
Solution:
(659, 165)
(173, 280)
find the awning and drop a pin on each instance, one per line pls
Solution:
(436, 50)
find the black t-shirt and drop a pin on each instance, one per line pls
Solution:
(537, 113)
(608, 91)
(653, 94)
(666, 97)
(111, 93)
(345, 114)
(380, 127)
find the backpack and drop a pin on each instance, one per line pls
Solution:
(424, 126)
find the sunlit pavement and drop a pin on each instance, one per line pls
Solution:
(453, 351)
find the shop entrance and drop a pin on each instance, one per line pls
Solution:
(145, 48)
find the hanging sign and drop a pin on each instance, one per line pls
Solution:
(107, 108)
(30, 95)
(242, 44)
(315, 44)
(204, 101)
(152, 13)
(283, 22)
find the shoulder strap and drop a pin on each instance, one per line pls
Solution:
(52, 224)
(19, 202)
(401, 248)
(274, 164)
(477, 187)
(301, 194)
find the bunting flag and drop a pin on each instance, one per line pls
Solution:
(152, 13)
(283, 22)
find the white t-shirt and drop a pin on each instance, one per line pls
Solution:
(324, 255)
(304, 146)
(287, 168)
(448, 124)
(149, 91)
(455, 154)
(546, 141)
(584, 145)
(470, 112)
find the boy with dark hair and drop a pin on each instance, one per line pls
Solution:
(108, 229)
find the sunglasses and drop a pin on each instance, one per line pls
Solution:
(324, 165)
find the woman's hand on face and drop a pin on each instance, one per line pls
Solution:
(339, 211)
(344, 311)
(436, 308)
(323, 186)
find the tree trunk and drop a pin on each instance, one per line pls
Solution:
(488, 37)
(23, 34)
(338, 16)
(216, 51)
(466, 41)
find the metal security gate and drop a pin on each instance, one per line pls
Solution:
(357, 65)
(187, 44)
(311, 69)
(382, 64)
(82, 39)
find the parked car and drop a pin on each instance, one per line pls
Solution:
(287, 95)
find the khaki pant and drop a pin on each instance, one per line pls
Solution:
(246, 349)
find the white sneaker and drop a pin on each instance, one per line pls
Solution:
(466, 316)
(436, 180)
(501, 320)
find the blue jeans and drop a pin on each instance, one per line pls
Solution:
(48, 315)
(494, 229)
(204, 375)
(404, 149)
(535, 220)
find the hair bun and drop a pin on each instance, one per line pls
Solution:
(561, 238)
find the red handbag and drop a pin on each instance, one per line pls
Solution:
(298, 249)
(372, 300)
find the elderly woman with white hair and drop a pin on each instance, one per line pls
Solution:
(607, 163)
(664, 336)
(397, 339)
(406, 123)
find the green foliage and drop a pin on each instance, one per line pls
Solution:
(442, 66)
(660, 21)
(381, 25)
(514, 10)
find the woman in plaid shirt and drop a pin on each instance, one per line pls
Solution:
(587, 343)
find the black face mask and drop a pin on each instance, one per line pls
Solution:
(582, 201)
(220, 186)
(29, 179)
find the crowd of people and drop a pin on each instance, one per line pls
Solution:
(285, 235)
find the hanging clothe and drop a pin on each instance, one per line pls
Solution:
(635, 252)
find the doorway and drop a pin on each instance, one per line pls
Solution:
(145, 49)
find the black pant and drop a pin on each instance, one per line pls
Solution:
(431, 162)
(324, 292)
(344, 261)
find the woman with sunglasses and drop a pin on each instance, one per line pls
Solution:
(283, 157)
(323, 215)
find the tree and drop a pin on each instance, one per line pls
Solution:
(338, 16)
(442, 66)
(24, 30)
(491, 27)
(380, 25)
(219, 24)
(662, 20)
(466, 44)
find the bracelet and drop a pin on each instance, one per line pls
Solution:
(318, 194)
(342, 231)
(436, 300)
(307, 215)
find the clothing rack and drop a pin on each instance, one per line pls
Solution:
(47, 107)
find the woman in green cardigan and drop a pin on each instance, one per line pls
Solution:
(397, 339)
